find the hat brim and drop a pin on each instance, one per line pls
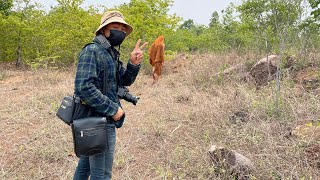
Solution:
(118, 20)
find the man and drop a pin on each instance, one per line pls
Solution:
(89, 84)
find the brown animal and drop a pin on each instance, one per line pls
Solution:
(156, 54)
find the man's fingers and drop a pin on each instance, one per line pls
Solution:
(144, 45)
(140, 56)
(138, 43)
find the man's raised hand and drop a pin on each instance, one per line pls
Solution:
(136, 55)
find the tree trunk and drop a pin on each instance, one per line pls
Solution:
(18, 51)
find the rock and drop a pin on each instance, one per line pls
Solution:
(265, 69)
(239, 117)
(297, 91)
(176, 65)
(231, 161)
(230, 70)
(308, 78)
(312, 155)
(307, 132)
(317, 91)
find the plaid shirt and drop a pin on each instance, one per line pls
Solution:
(90, 74)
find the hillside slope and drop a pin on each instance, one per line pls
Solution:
(167, 135)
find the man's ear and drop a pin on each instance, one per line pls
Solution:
(102, 30)
(106, 32)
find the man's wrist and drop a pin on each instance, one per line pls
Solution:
(134, 64)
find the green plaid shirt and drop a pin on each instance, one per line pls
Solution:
(90, 74)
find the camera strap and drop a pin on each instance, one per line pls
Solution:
(104, 42)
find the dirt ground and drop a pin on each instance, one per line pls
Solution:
(37, 141)
(168, 133)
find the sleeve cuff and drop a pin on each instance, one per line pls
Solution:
(114, 109)
(134, 65)
(132, 68)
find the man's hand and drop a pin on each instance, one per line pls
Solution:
(136, 55)
(118, 115)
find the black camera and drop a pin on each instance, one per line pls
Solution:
(123, 93)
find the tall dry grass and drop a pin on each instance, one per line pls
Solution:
(167, 135)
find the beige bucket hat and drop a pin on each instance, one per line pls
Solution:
(113, 16)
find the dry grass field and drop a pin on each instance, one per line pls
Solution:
(167, 135)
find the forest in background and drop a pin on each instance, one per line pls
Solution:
(42, 38)
(207, 94)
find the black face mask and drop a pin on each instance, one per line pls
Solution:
(116, 37)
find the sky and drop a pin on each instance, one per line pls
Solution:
(199, 11)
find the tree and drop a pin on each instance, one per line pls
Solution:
(22, 14)
(230, 27)
(63, 38)
(5, 6)
(214, 21)
(315, 10)
(149, 18)
(31, 35)
(270, 20)
(314, 5)
(68, 5)
(187, 25)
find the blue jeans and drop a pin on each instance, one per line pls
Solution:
(99, 166)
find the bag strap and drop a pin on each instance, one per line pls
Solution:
(106, 45)
(106, 85)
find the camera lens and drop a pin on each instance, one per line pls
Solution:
(123, 93)
(130, 98)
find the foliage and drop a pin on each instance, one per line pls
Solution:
(214, 21)
(70, 34)
(33, 35)
(316, 9)
(271, 20)
(150, 20)
(189, 24)
(5, 6)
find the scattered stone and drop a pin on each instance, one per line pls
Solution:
(308, 78)
(317, 91)
(231, 161)
(297, 91)
(176, 65)
(247, 78)
(230, 70)
(183, 99)
(307, 132)
(265, 69)
(72, 154)
(239, 117)
(312, 155)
